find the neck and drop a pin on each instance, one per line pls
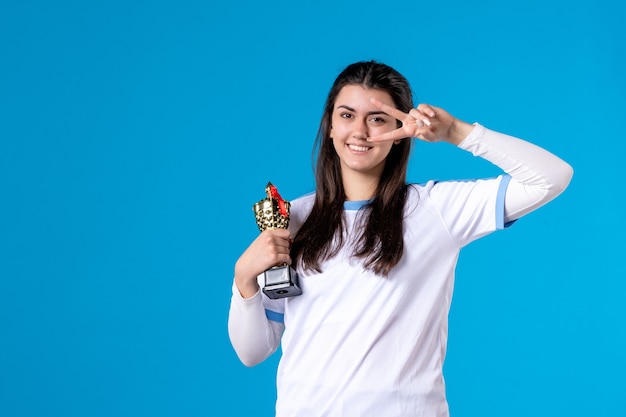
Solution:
(359, 186)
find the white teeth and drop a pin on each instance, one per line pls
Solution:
(358, 148)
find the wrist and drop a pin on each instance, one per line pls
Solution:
(247, 287)
(459, 130)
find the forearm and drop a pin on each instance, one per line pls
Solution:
(537, 176)
(251, 334)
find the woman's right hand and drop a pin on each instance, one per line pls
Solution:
(269, 249)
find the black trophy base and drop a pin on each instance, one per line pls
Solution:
(281, 282)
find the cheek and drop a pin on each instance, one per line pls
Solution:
(387, 148)
(384, 148)
(337, 131)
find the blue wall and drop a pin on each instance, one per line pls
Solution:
(135, 137)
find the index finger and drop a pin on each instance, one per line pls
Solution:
(391, 111)
(399, 133)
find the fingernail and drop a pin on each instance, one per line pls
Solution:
(427, 122)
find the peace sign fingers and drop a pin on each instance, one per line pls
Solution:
(412, 122)
(402, 132)
(391, 111)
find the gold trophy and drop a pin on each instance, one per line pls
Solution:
(272, 212)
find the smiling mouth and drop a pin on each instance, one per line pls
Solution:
(359, 148)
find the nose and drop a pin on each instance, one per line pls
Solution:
(360, 130)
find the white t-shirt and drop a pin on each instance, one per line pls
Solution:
(359, 344)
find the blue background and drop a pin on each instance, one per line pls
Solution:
(135, 137)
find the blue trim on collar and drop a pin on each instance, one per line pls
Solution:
(355, 205)
(274, 316)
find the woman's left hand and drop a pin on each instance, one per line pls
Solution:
(426, 122)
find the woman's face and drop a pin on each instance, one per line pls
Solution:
(354, 119)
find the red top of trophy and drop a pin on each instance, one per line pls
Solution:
(273, 193)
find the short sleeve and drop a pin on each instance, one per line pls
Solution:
(471, 209)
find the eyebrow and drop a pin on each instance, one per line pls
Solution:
(368, 113)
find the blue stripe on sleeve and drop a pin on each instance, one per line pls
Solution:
(500, 203)
(274, 316)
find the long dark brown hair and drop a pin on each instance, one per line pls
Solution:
(380, 243)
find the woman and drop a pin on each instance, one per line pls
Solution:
(375, 255)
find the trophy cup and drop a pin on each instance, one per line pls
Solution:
(272, 212)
